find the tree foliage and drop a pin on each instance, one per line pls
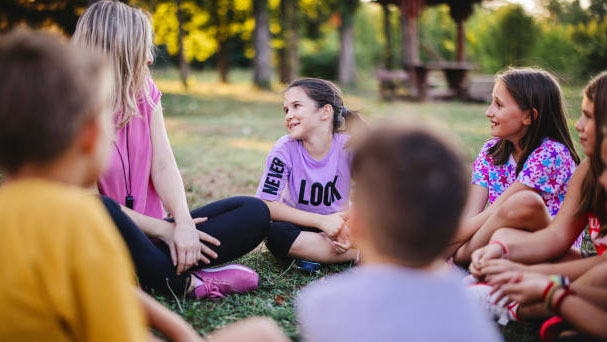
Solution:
(62, 14)
(204, 25)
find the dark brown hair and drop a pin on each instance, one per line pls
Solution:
(47, 90)
(326, 93)
(413, 187)
(593, 194)
(534, 89)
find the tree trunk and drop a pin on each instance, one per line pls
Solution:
(222, 61)
(289, 65)
(347, 64)
(388, 36)
(184, 69)
(222, 22)
(461, 41)
(261, 62)
(403, 41)
(346, 73)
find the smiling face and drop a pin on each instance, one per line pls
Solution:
(508, 121)
(302, 115)
(585, 127)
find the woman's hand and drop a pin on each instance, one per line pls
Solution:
(186, 247)
(332, 224)
(482, 256)
(523, 287)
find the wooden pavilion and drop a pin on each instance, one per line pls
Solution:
(455, 71)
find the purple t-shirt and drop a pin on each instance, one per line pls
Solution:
(391, 303)
(317, 186)
(115, 181)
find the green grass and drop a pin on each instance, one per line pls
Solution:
(221, 134)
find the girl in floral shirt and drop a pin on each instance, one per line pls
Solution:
(513, 254)
(520, 177)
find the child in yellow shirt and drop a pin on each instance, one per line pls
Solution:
(65, 273)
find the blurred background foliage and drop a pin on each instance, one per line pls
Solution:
(566, 38)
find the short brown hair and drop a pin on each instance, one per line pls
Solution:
(48, 89)
(412, 187)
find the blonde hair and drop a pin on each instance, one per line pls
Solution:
(124, 34)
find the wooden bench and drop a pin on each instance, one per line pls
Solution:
(393, 84)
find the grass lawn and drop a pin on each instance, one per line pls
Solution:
(221, 134)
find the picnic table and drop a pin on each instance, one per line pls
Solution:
(455, 74)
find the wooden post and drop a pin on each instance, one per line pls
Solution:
(388, 36)
(410, 10)
(461, 40)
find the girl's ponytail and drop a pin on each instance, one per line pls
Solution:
(326, 93)
(352, 122)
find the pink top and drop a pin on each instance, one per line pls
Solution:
(131, 171)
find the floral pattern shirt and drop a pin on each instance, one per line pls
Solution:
(547, 169)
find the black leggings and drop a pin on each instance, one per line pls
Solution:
(282, 235)
(239, 223)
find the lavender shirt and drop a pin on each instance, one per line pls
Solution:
(391, 303)
(321, 187)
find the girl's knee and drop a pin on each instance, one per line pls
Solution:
(280, 238)
(257, 213)
(522, 205)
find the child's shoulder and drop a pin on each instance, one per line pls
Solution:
(53, 199)
(552, 145)
(285, 143)
(341, 137)
(551, 149)
(489, 144)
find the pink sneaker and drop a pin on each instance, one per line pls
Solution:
(216, 283)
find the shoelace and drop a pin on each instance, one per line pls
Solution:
(214, 289)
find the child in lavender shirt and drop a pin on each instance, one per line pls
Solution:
(306, 182)
(410, 191)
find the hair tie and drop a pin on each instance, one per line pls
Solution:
(344, 110)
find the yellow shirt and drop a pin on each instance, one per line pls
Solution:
(65, 273)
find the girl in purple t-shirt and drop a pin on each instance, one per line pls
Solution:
(306, 182)
(522, 174)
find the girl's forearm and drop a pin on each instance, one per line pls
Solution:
(152, 227)
(165, 173)
(592, 294)
(571, 269)
(282, 212)
(584, 316)
(169, 186)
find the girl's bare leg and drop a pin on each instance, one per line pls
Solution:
(318, 247)
(524, 210)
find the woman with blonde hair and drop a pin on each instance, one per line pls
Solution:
(144, 179)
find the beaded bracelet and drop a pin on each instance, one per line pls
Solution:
(548, 287)
(559, 301)
(504, 247)
(557, 284)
